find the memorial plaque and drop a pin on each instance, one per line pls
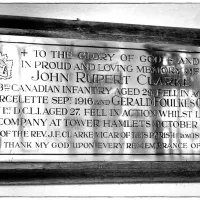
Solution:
(93, 109)
(76, 100)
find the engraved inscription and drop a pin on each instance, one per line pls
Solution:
(91, 101)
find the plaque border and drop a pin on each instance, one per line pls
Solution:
(28, 173)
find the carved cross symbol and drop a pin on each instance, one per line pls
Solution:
(24, 53)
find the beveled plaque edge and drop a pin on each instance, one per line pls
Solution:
(99, 172)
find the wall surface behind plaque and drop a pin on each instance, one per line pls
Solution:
(176, 15)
